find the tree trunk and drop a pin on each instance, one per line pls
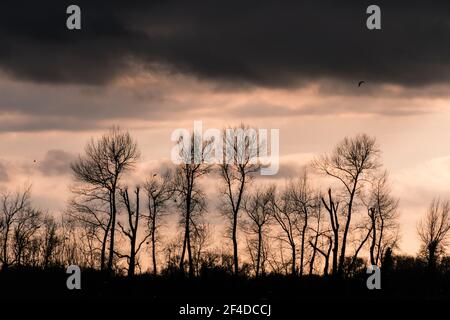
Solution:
(432, 257)
(103, 250)
(313, 257)
(189, 249)
(380, 238)
(327, 259)
(335, 252)
(347, 227)
(258, 256)
(235, 223)
(235, 245)
(5, 248)
(183, 252)
(134, 229)
(374, 238)
(294, 269)
(113, 227)
(302, 251)
(154, 244)
(132, 265)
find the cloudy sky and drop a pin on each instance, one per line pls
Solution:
(158, 66)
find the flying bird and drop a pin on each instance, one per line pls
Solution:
(360, 83)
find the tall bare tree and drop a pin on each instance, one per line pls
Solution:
(90, 211)
(332, 206)
(159, 190)
(131, 229)
(191, 200)
(258, 209)
(383, 218)
(287, 219)
(362, 231)
(241, 151)
(100, 169)
(434, 230)
(319, 230)
(201, 238)
(352, 162)
(303, 202)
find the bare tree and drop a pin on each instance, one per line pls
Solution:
(324, 252)
(69, 252)
(319, 230)
(383, 218)
(241, 150)
(365, 231)
(101, 168)
(12, 204)
(81, 242)
(159, 190)
(28, 223)
(51, 241)
(287, 219)
(172, 251)
(332, 207)
(351, 163)
(201, 238)
(258, 209)
(302, 200)
(131, 230)
(90, 210)
(191, 199)
(434, 230)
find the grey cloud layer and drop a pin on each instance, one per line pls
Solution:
(56, 162)
(4, 176)
(274, 44)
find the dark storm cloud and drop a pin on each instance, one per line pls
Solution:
(275, 44)
(26, 106)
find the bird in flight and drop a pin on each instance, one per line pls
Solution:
(360, 83)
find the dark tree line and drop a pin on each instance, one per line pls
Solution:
(295, 228)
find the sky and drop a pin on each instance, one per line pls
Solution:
(154, 66)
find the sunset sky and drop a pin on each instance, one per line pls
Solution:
(294, 67)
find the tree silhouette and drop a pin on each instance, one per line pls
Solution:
(258, 209)
(287, 219)
(191, 200)
(332, 207)
(28, 222)
(241, 151)
(51, 241)
(303, 202)
(100, 170)
(134, 216)
(159, 190)
(290, 230)
(433, 231)
(12, 206)
(383, 218)
(352, 162)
